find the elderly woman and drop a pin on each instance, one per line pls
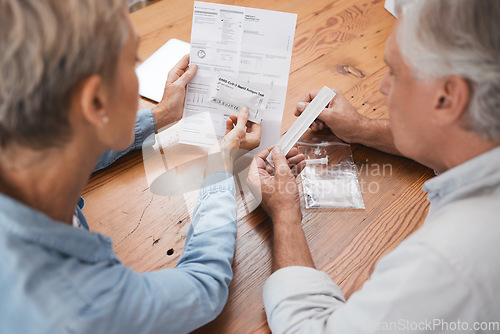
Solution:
(68, 93)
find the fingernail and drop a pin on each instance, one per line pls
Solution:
(301, 106)
(277, 149)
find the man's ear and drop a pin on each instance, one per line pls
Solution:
(92, 101)
(452, 100)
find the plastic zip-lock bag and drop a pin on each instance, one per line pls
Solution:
(329, 179)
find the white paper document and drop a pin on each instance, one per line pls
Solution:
(390, 5)
(252, 45)
(153, 72)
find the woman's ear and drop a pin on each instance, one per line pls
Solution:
(92, 101)
(452, 100)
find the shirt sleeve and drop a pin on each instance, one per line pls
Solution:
(144, 127)
(412, 286)
(180, 299)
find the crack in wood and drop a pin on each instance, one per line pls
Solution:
(140, 219)
(155, 241)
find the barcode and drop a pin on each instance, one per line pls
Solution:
(225, 104)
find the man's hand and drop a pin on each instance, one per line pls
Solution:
(340, 116)
(241, 136)
(280, 199)
(349, 125)
(170, 108)
(280, 195)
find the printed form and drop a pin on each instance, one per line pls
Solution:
(252, 45)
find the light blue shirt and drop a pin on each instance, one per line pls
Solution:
(55, 278)
(144, 127)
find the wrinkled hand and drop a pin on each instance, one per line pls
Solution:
(340, 116)
(241, 136)
(171, 107)
(277, 186)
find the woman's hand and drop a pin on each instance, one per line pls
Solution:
(241, 136)
(171, 107)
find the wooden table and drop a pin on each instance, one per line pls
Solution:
(337, 43)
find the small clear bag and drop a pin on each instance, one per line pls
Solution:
(329, 179)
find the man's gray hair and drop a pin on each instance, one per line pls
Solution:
(47, 48)
(439, 38)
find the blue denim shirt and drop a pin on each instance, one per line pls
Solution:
(144, 127)
(55, 278)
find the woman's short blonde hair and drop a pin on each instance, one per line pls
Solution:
(47, 48)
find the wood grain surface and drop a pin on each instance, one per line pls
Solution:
(337, 43)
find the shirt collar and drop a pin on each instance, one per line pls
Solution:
(31, 225)
(462, 175)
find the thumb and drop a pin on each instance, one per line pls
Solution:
(325, 114)
(301, 106)
(280, 164)
(242, 119)
(187, 76)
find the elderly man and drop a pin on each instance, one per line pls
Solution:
(443, 90)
